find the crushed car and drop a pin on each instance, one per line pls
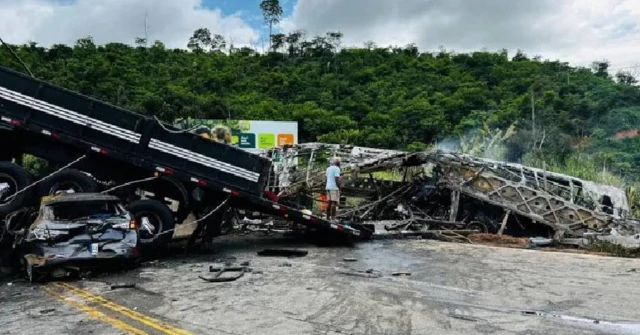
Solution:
(71, 233)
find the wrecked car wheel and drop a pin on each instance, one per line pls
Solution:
(34, 275)
(72, 181)
(12, 179)
(478, 226)
(156, 222)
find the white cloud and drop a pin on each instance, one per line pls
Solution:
(49, 22)
(578, 31)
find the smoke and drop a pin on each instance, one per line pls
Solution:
(480, 142)
(451, 144)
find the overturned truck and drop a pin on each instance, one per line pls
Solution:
(447, 190)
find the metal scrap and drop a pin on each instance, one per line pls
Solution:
(283, 252)
(122, 285)
(218, 278)
(447, 194)
(370, 273)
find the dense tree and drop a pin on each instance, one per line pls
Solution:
(394, 97)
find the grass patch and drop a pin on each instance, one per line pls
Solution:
(613, 249)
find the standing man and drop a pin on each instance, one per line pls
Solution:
(333, 188)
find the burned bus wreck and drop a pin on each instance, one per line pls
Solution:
(451, 191)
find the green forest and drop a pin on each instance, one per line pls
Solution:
(504, 105)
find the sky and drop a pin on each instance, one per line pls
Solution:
(576, 31)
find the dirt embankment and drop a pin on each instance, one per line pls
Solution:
(499, 240)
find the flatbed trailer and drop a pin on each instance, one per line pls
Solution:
(116, 146)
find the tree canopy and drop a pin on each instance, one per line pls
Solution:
(388, 97)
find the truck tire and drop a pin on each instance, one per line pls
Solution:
(485, 223)
(12, 179)
(477, 225)
(155, 218)
(69, 179)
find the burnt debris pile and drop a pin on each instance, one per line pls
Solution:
(448, 195)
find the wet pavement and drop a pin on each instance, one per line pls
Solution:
(451, 289)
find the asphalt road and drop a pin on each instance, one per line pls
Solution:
(451, 289)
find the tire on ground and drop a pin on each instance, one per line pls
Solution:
(16, 178)
(68, 179)
(159, 216)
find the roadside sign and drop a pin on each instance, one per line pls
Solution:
(251, 135)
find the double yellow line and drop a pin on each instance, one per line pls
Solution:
(99, 301)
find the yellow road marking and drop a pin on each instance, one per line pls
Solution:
(151, 322)
(94, 313)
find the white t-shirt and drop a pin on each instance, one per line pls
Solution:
(332, 172)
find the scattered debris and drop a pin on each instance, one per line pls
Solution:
(283, 252)
(226, 268)
(218, 278)
(123, 285)
(541, 241)
(245, 263)
(446, 195)
(358, 273)
(48, 310)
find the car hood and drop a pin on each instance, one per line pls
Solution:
(70, 225)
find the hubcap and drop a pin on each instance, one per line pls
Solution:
(150, 226)
(4, 188)
(8, 187)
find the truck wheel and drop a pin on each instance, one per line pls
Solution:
(485, 223)
(154, 218)
(477, 225)
(12, 179)
(68, 180)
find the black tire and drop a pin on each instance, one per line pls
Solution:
(159, 216)
(16, 178)
(485, 222)
(477, 225)
(68, 179)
